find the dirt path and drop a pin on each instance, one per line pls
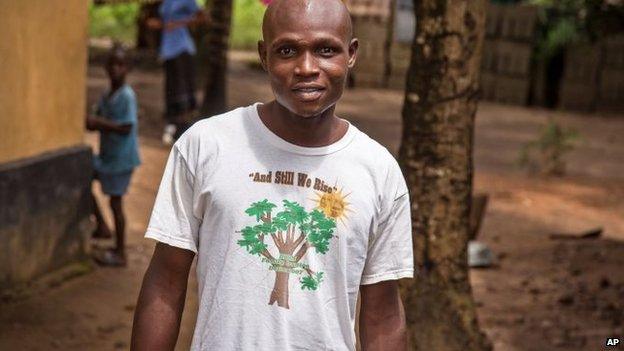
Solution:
(546, 295)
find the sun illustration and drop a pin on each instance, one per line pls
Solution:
(333, 204)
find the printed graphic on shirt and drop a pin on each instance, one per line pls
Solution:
(333, 204)
(295, 232)
(330, 200)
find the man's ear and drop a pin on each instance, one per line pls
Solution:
(262, 53)
(353, 48)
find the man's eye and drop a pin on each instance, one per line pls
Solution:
(327, 50)
(286, 51)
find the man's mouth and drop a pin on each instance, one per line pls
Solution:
(308, 93)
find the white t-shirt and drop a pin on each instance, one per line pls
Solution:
(285, 234)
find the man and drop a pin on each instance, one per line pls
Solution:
(291, 210)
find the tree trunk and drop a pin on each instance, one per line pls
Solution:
(148, 38)
(213, 57)
(280, 290)
(436, 157)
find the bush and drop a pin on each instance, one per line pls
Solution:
(545, 155)
(246, 24)
(117, 22)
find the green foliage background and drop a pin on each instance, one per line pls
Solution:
(114, 21)
(565, 22)
(119, 22)
(246, 24)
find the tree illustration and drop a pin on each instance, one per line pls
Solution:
(294, 231)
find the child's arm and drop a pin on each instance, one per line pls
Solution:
(104, 125)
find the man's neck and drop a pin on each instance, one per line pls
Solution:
(316, 131)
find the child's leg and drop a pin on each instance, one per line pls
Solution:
(101, 230)
(120, 224)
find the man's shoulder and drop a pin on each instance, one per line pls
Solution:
(371, 150)
(207, 131)
(227, 121)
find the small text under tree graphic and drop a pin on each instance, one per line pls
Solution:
(294, 231)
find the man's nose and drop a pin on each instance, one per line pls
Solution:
(307, 65)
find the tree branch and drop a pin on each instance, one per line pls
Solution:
(280, 236)
(299, 240)
(301, 252)
(266, 218)
(265, 252)
(268, 255)
(276, 241)
(289, 234)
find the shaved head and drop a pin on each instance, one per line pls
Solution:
(282, 12)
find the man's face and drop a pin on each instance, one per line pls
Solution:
(307, 56)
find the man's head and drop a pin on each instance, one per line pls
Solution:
(117, 64)
(307, 49)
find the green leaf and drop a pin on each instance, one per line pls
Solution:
(317, 215)
(257, 248)
(308, 283)
(321, 230)
(265, 228)
(297, 214)
(251, 241)
(311, 282)
(260, 208)
(279, 223)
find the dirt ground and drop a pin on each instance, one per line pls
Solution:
(545, 294)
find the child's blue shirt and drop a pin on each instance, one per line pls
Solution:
(119, 153)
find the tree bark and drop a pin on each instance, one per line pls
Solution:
(213, 57)
(280, 290)
(148, 38)
(286, 247)
(436, 158)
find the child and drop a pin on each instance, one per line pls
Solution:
(116, 120)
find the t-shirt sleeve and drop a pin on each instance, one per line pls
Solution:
(173, 221)
(390, 255)
(128, 113)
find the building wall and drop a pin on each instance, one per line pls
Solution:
(43, 70)
(45, 169)
(593, 78)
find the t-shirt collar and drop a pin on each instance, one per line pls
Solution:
(284, 145)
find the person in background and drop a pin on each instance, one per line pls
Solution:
(177, 50)
(116, 120)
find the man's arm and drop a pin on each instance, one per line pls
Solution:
(382, 318)
(104, 125)
(161, 301)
